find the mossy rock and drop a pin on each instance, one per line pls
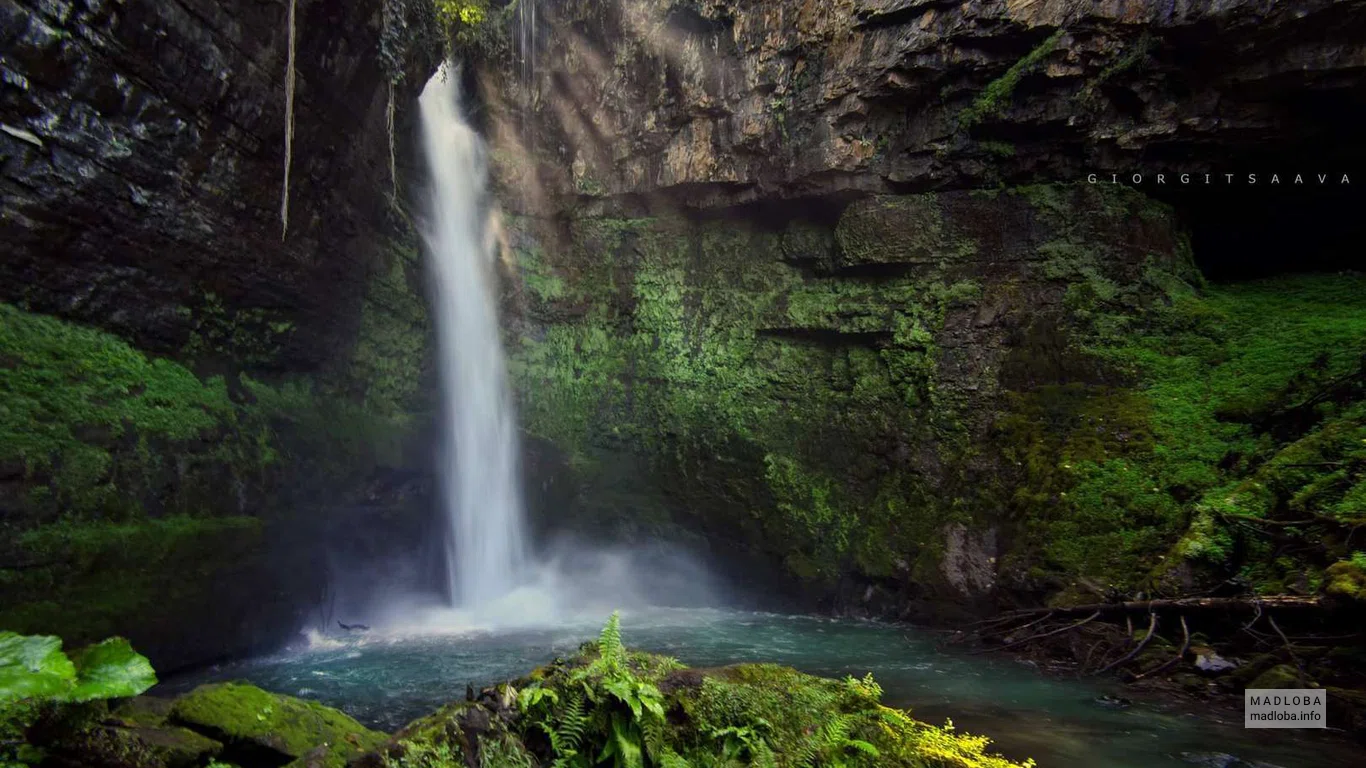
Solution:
(1280, 676)
(145, 711)
(891, 230)
(137, 746)
(1251, 670)
(251, 721)
(1346, 579)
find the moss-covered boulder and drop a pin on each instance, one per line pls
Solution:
(908, 229)
(1279, 676)
(631, 708)
(1347, 578)
(137, 746)
(133, 734)
(258, 726)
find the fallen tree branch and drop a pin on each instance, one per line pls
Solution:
(1185, 645)
(1289, 648)
(1042, 635)
(1039, 620)
(1249, 604)
(1152, 626)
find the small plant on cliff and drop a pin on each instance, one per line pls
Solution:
(472, 24)
(998, 91)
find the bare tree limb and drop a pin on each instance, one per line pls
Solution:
(1152, 626)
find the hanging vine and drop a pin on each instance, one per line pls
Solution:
(289, 124)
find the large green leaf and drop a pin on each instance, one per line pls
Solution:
(111, 669)
(33, 667)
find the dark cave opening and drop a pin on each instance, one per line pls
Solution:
(1266, 201)
(1241, 230)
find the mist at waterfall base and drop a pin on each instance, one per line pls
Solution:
(491, 581)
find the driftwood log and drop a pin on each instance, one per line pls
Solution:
(1181, 605)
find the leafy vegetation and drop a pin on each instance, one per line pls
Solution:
(163, 567)
(476, 24)
(35, 668)
(603, 711)
(1244, 410)
(769, 375)
(609, 706)
(732, 347)
(37, 680)
(119, 462)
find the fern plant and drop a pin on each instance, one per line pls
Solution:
(603, 713)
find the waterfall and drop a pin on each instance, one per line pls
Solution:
(479, 469)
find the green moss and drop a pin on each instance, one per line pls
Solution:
(1129, 58)
(632, 708)
(139, 747)
(101, 429)
(1347, 578)
(753, 377)
(695, 341)
(1002, 149)
(164, 566)
(72, 396)
(1211, 370)
(538, 276)
(1279, 676)
(247, 338)
(891, 230)
(238, 713)
(794, 719)
(996, 93)
(393, 346)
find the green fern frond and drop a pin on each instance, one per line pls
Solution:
(836, 731)
(862, 746)
(573, 723)
(609, 641)
(671, 759)
(624, 744)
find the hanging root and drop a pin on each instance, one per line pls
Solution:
(289, 126)
(393, 157)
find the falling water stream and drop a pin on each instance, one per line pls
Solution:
(479, 460)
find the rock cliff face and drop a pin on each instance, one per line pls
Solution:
(143, 156)
(831, 279)
(834, 393)
(211, 397)
(719, 102)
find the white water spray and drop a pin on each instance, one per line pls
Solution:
(480, 469)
